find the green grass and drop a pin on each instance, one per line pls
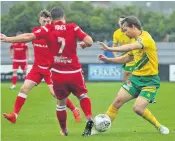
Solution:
(37, 120)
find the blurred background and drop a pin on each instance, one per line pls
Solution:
(98, 19)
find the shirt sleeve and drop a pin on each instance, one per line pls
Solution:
(42, 32)
(143, 41)
(80, 34)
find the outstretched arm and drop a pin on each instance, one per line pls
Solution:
(118, 60)
(123, 48)
(26, 37)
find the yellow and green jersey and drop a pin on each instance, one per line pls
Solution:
(120, 38)
(146, 58)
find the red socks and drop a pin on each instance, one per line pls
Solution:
(14, 79)
(69, 104)
(86, 107)
(20, 100)
(62, 117)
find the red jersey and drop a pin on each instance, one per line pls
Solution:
(62, 40)
(42, 55)
(19, 51)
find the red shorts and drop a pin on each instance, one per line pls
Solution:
(36, 74)
(16, 65)
(64, 84)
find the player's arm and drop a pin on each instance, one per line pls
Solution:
(123, 48)
(82, 36)
(88, 41)
(118, 60)
(26, 37)
(11, 51)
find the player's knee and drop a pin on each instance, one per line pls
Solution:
(15, 73)
(82, 96)
(24, 89)
(137, 110)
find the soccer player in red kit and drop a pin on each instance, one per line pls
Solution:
(67, 74)
(40, 70)
(18, 53)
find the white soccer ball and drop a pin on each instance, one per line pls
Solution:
(102, 122)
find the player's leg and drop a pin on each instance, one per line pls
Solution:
(20, 100)
(74, 109)
(78, 88)
(126, 75)
(126, 93)
(122, 97)
(69, 104)
(62, 116)
(61, 92)
(140, 108)
(32, 79)
(14, 75)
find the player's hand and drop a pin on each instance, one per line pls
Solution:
(102, 57)
(83, 45)
(103, 46)
(3, 37)
(11, 57)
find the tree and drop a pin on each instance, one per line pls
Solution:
(21, 17)
(100, 23)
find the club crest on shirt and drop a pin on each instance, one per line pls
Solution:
(139, 39)
(129, 84)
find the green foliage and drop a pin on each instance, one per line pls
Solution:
(100, 23)
(21, 17)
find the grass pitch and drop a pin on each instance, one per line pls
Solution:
(37, 119)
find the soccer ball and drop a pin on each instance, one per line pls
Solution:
(102, 122)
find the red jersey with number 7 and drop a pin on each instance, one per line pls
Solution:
(62, 41)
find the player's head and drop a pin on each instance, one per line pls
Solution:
(57, 14)
(120, 20)
(131, 25)
(18, 33)
(45, 17)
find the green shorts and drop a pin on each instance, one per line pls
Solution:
(128, 68)
(145, 86)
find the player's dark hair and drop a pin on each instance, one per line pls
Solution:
(44, 13)
(57, 13)
(132, 20)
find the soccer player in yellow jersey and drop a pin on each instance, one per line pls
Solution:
(120, 38)
(144, 82)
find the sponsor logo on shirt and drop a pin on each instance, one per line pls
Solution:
(39, 45)
(19, 49)
(62, 59)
